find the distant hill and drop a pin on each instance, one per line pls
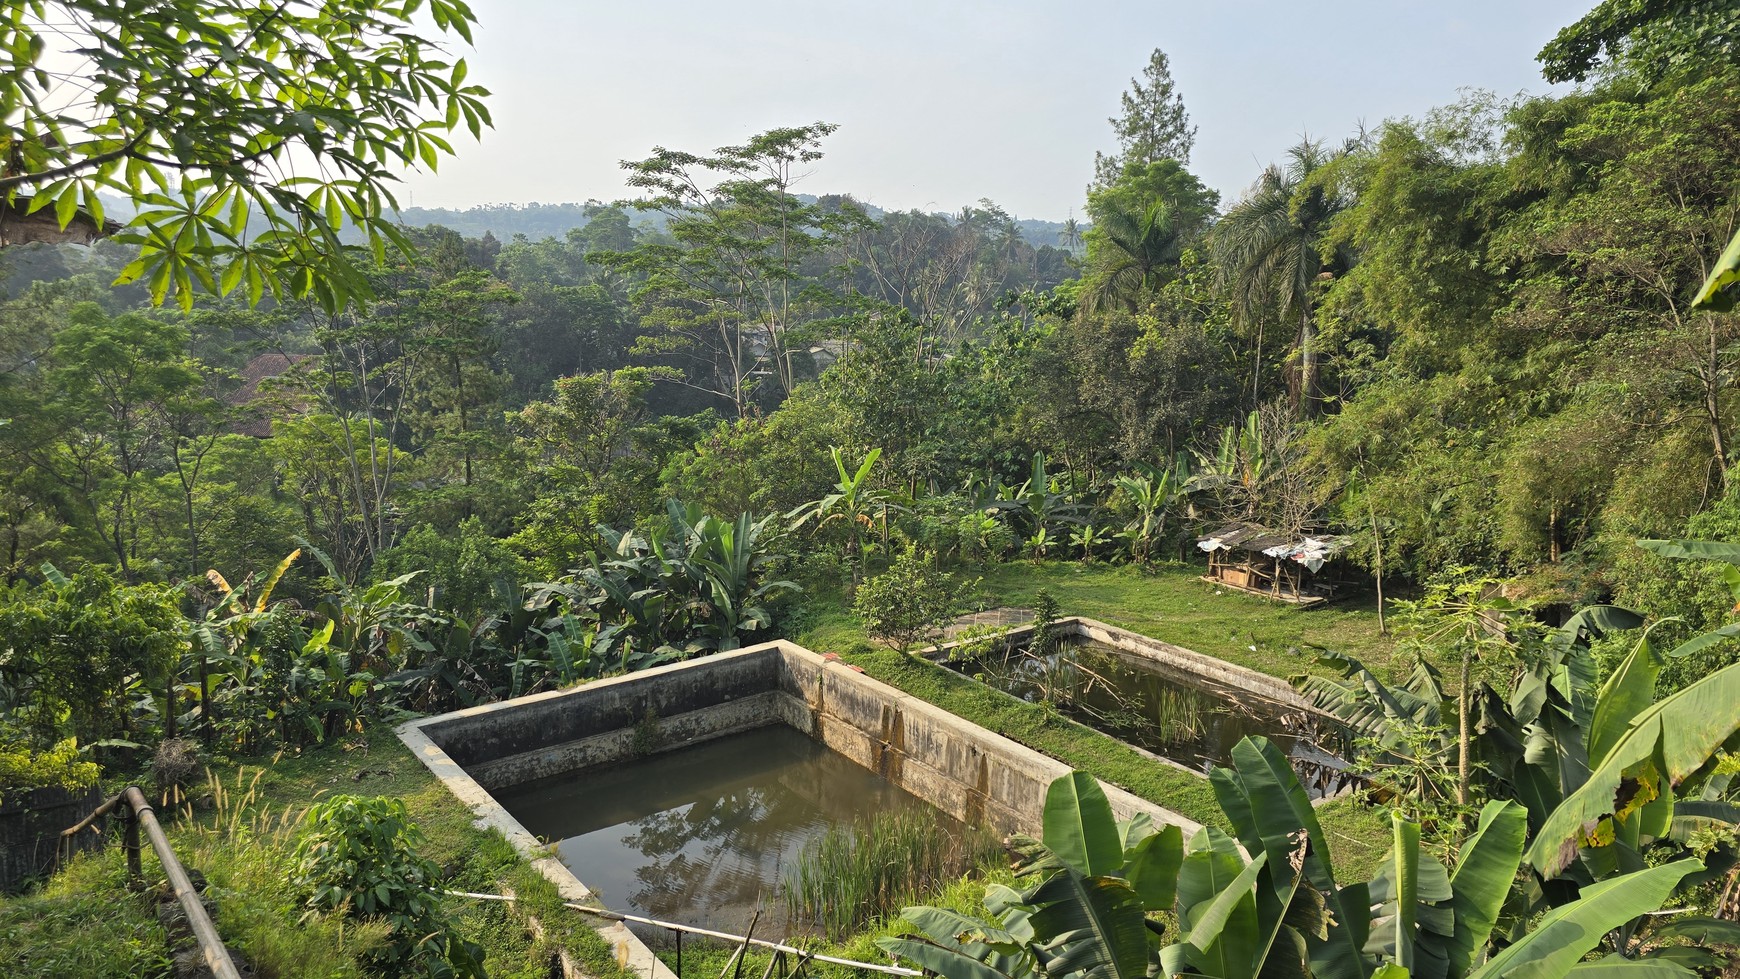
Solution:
(538, 221)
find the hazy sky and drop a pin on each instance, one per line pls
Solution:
(946, 102)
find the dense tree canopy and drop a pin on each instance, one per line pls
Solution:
(246, 136)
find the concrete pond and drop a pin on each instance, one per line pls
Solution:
(680, 790)
(1172, 702)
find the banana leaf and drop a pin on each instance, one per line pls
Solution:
(1569, 932)
(1079, 826)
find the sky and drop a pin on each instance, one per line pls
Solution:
(943, 103)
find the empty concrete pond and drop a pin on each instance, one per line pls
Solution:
(703, 835)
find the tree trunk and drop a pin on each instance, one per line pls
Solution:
(1307, 363)
(1462, 729)
(1377, 549)
(1711, 376)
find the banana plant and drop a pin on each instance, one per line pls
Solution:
(1433, 924)
(1265, 903)
(1041, 507)
(1085, 916)
(1153, 492)
(854, 503)
(1088, 539)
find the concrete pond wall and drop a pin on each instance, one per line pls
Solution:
(1163, 653)
(971, 773)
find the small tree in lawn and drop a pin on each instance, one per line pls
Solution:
(909, 605)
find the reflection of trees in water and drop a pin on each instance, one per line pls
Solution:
(734, 828)
(727, 851)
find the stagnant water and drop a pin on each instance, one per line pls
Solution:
(702, 835)
(1144, 703)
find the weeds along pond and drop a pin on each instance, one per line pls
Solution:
(767, 818)
(1151, 705)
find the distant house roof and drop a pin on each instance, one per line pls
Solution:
(265, 367)
(1311, 550)
(18, 226)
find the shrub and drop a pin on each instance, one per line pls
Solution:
(357, 857)
(22, 769)
(76, 654)
(910, 604)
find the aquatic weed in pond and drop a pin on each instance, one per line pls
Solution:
(1187, 718)
(856, 873)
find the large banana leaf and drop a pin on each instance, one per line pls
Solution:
(951, 962)
(1079, 826)
(1701, 930)
(1485, 868)
(1693, 815)
(1405, 863)
(1571, 931)
(1089, 927)
(1262, 784)
(1619, 967)
(1627, 693)
(1686, 728)
(1411, 917)
(961, 947)
(1222, 932)
(1365, 703)
(1152, 865)
(1694, 550)
(1722, 288)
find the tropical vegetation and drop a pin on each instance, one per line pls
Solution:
(1492, 349)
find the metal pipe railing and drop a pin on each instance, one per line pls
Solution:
(608, 915)
(138, 813)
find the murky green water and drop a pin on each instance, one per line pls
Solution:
(1183, 717)
(702, 835)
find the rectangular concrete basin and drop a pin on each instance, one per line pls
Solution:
(964, 770)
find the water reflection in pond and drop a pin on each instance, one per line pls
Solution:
(1142, 702)
(701, 835)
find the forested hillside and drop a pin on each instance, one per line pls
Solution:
(1465, 338)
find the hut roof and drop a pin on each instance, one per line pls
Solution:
(1311, 550)
(263, 368)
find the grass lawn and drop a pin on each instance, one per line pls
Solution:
(1173, 604)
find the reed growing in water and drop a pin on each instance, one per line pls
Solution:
(854, 874)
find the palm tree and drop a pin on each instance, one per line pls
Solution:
(1139, 245)
(1070, 235)
(1268, 248)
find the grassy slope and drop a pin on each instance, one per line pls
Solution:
(1171, 604)
(240, 837)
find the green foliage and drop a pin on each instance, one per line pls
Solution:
(1268, 903)
(86, 934)
(203, 154)
(909, 605)
(858, 873)
(357, 858)
(725, 288)
(84, 655)
(692, 587)
(468, 569)
(60, 766)
(1653, 37)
